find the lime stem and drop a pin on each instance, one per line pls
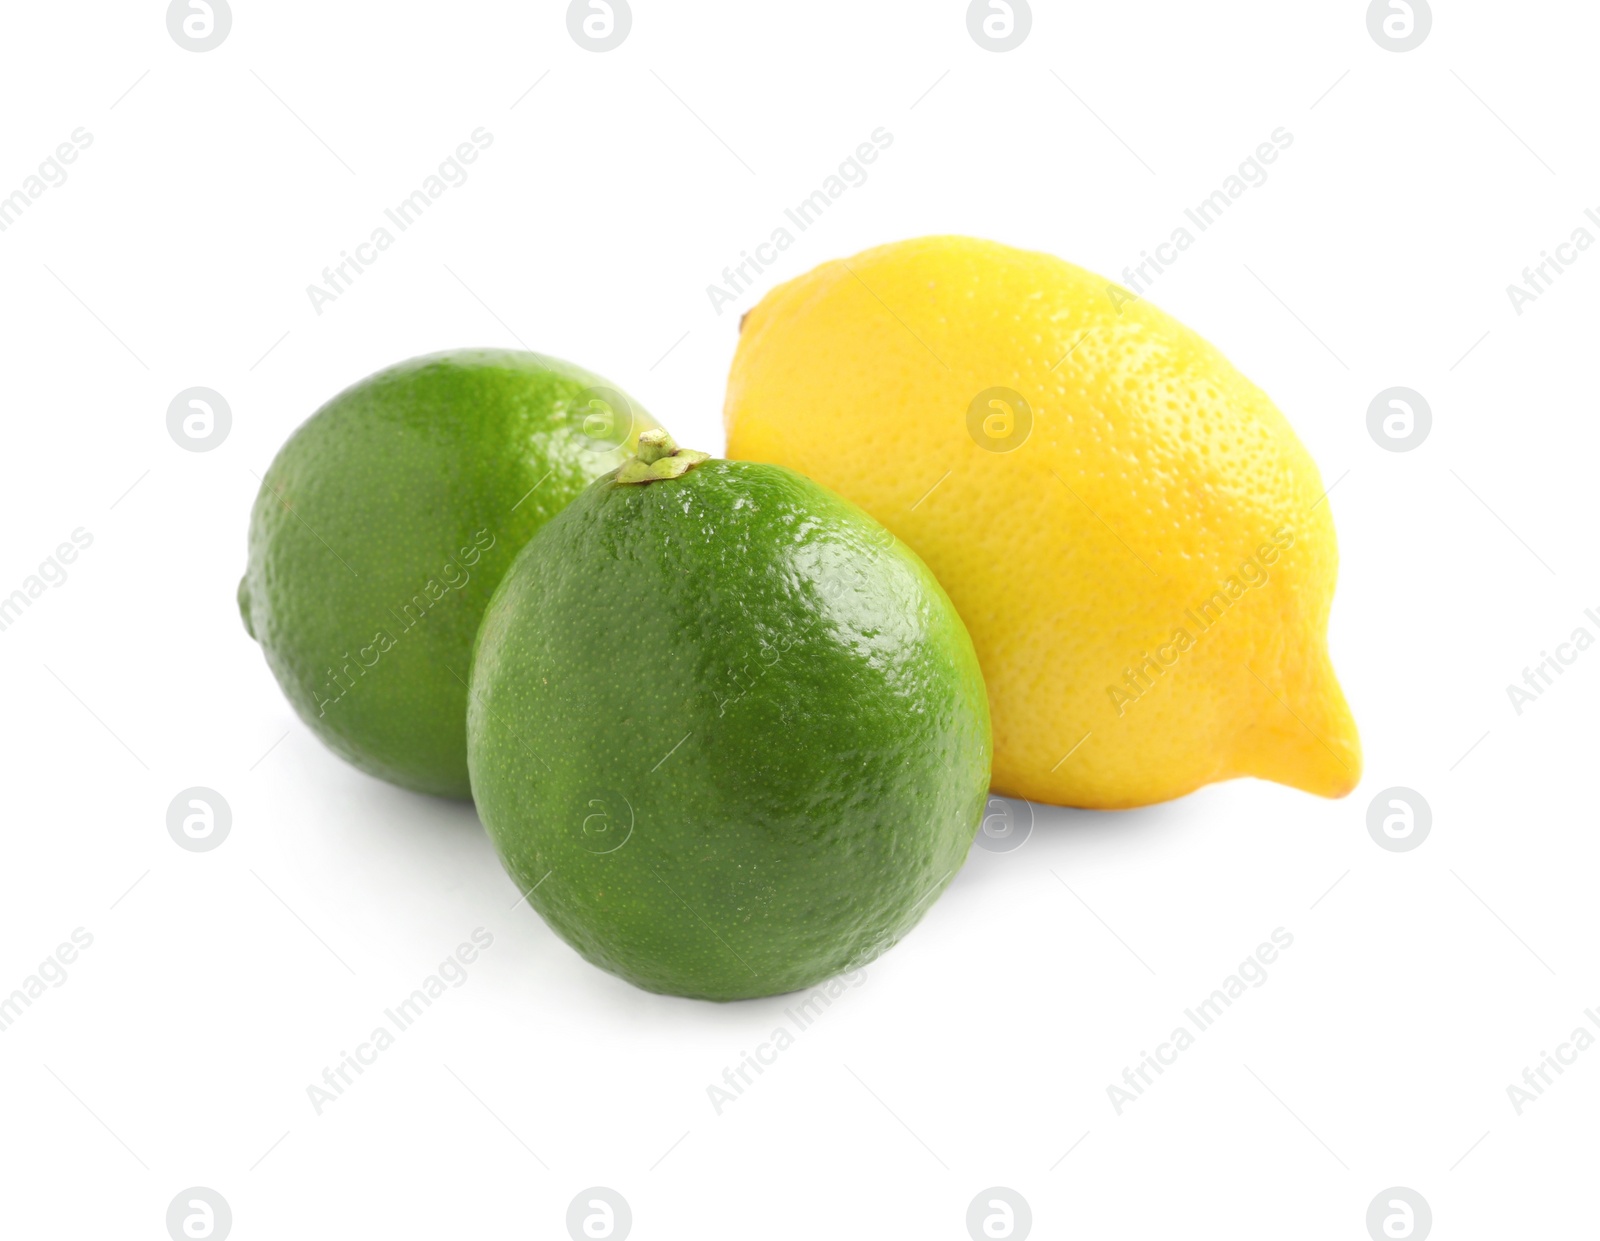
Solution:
(659, 457)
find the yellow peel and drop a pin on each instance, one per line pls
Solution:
(1136, 539)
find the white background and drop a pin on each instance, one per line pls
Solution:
(978, 1053)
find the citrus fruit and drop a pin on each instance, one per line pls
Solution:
(384, 525)
(1140, 546)
(728, 735)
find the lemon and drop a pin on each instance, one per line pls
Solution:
(1140, 547)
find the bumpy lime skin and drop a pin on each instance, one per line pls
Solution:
(727, 731)
(384, 525)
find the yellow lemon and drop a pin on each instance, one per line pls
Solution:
(1140, 546)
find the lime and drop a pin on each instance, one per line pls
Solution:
(727, 733)
(384, 525)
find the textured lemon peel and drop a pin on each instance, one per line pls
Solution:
(1050, 591)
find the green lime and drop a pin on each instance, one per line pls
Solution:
(384, 525)
(728, 734)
